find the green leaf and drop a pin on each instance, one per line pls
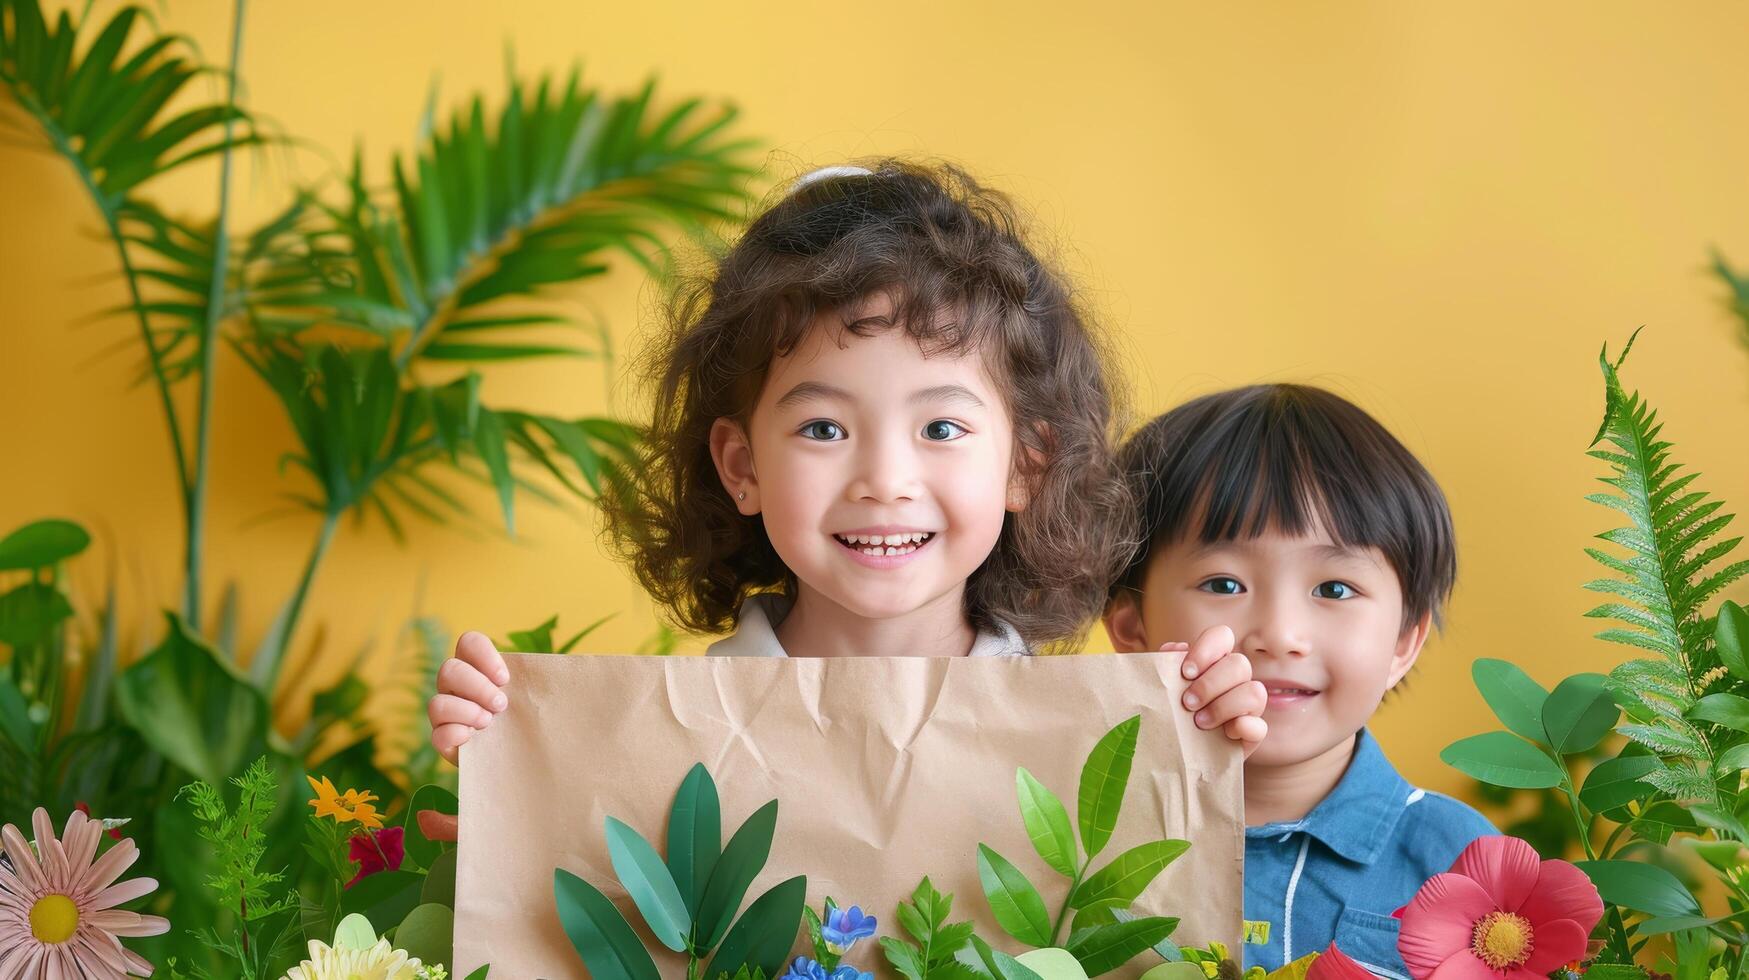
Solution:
(741, 862)
(1728, 710)
(1579, 713)
(1641, 887)
(1000, 965)
(1617, 782)
(765, 932)
(1016, 903)
(439, 887)
(1103, 780)
(386, 896)
(1052, 963)
(186, 702)
(1731, 638)
(41, 544)
(1503, 759)
(600, 934)
(30, 613)
(646, 879)
(695, 832)
(354, 932)
(489, 441)
(1047, 822)
(428, 933)
(1516, 699)
(1110, 946)
(481, 973)
(1735, 758)
(428, 797)
(1128, 875)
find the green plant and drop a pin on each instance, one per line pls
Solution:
(371, 315)
(1678, 779)
(1097, 938)
(689, 900)
(262, 922)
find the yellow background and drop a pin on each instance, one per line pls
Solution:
(1440, 210)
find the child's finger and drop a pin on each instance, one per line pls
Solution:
(1247, 699)
(1229, 672)
(447, 709)
(477, 651)
(1249, 731)
(459, 678)
(438, 826)
(448, 740)
(1214, 643)
(1174, 646)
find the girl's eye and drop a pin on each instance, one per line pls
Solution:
(1334, 590)
(941, 430)
(823, 430)
(1222, 585)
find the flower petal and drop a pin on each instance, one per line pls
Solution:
(115, 895)
(54, 859)
(1563, 892)
(137, 965)
(107, 869)
(1463, 966)
(1557, 942)
(1505, 866)
(23, 860)
(104, 948)
(82, 848)
(1441, 920)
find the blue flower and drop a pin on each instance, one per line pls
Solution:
(843, 927)
(848, 972)
(806, 969)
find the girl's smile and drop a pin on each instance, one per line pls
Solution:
(884, 547)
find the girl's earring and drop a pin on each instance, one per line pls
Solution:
(741, 496)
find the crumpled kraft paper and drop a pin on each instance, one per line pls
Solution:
(885, 769)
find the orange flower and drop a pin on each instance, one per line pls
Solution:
(346, 807)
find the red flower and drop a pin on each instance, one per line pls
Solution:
(1500, 912)
(1333, 964)
(378, 850)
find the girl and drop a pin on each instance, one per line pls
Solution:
(881, 428)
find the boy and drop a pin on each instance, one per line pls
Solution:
(1293, 517)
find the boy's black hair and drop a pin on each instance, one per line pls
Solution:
(1237, 463)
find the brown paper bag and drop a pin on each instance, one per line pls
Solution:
(885, 769)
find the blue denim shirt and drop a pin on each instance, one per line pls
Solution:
(1341, 871)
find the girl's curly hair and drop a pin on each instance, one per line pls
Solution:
(949, 254)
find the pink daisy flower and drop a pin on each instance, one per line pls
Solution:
(58, 915)
(1500, 912)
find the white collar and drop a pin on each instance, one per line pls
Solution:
(756, 635)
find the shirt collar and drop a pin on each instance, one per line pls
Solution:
(1357, 818)
(756, 633)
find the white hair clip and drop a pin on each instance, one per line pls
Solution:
(829, 173)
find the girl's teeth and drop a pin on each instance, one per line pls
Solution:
(886, 544)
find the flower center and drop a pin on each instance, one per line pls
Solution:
(54, 919)
(1503, 939)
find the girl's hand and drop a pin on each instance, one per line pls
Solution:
(470, 692)
(1222, 693)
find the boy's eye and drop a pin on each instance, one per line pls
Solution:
(1222, 585)
(1334, 590)
(823, 430)
(941, 430)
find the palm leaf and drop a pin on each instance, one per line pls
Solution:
(498, 207)
(1667, 568)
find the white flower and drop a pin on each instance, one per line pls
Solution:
(379, 962)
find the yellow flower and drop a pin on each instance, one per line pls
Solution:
(344, 807)
(367, 815)
(327, 802)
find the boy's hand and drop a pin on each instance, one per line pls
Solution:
(1222, 693)
(470, 691)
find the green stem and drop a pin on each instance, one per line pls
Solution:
(1063, 913)
(269, 675)
(215, 311)
(1618, 933)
